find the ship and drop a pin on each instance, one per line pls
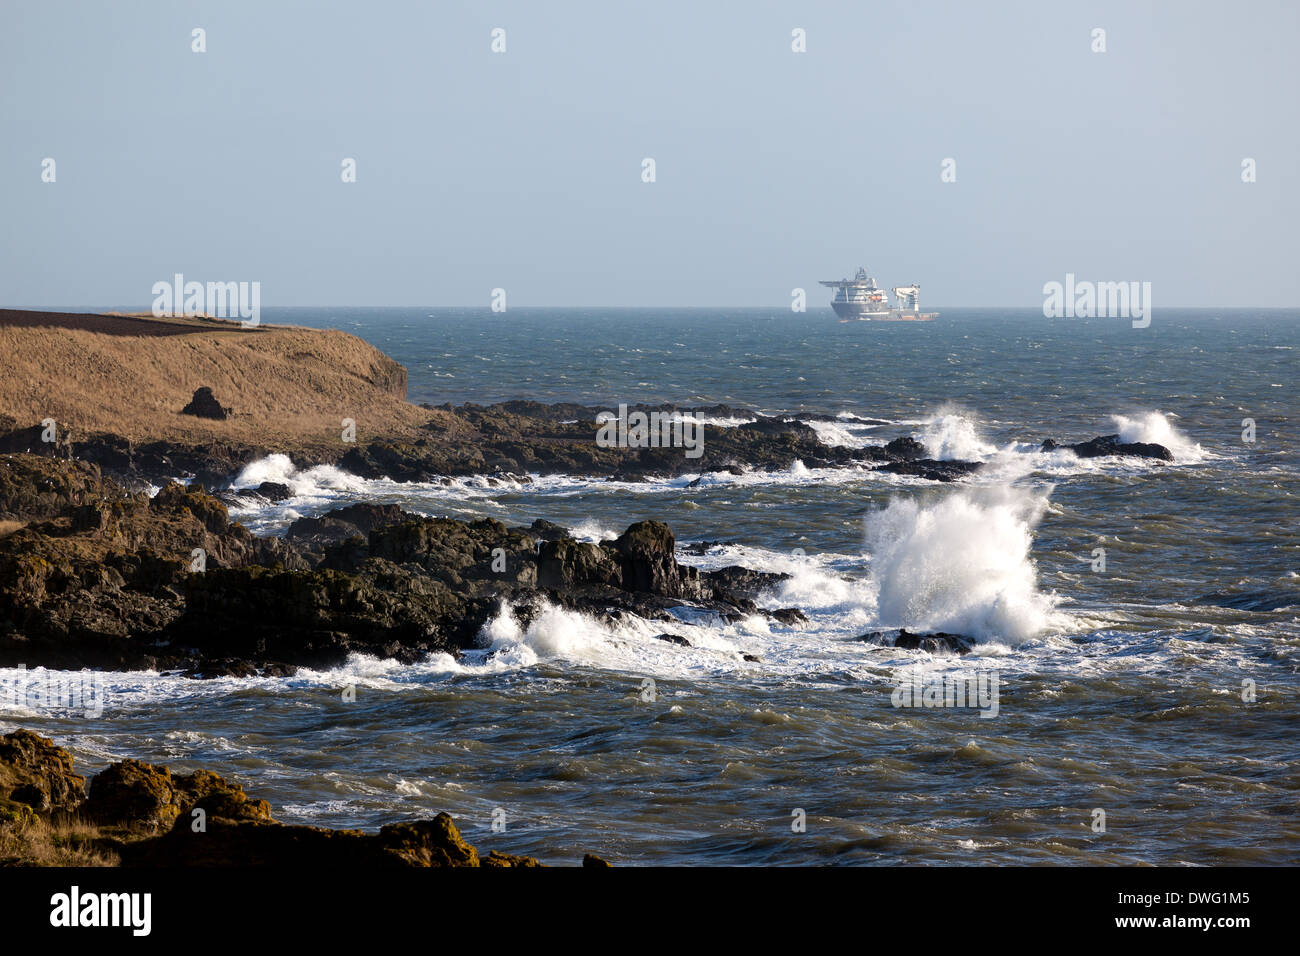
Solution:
(860, 298)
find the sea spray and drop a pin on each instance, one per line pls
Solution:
(318, 481)
(1156, 428)
(961, 564)
(953, 435)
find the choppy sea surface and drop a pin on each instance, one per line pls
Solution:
(1141, 619)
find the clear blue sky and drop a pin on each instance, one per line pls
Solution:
(522, 170)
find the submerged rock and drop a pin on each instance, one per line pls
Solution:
(673, 639)
(936, 642)
(932, 469)
(1104, 446)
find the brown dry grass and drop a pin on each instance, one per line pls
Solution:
(9, 527)
(41, 842)
(288, 386)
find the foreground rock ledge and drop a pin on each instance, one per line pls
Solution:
(139, 814)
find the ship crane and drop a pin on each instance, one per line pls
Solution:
(908, 296)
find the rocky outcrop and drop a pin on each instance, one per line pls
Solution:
(36, 777)
(100, 580)
(147, 798)
(146, 816)
(502, 442)
(36, 488)
(932, 469)
(1104, 446)
(936, 642)
(205, 405)
(114, 579)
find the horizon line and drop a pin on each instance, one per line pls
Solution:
(100, 309)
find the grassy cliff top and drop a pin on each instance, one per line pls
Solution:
(131, 375)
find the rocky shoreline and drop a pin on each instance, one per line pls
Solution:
(137, 814)
(94, 572)
(517, 439)
(94, 575)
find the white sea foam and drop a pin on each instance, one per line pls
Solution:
(560, 635)
(714, 421)
(962, 564)
(316, 482)
(845, 433)
(953, 435)
(1156, 427)
(592, 530)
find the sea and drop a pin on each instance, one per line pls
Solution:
(1132, 698)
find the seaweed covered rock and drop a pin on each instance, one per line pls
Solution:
(34, 773)
(141, 814)
(149, 798)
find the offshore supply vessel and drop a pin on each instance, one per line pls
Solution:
(861, 298)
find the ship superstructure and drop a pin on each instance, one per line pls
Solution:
(861, 298)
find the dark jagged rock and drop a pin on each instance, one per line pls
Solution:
(566, 563)
(118, 580)
(504, 442)
(704, 547)
(673, 639)
(544, 530)
(763, 425)
(36, 488)
(648, 552)
(100, 583)
(931, 469)
(938, 642)
(340, 524)
(789, 616)
(744, 581)
(274, 491)
(906, 449)
(205, 405)
(1104, 446)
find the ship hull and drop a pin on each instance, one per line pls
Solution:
(897, 315)
(859, 310)
(866, 313)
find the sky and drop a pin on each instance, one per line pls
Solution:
(523, 170)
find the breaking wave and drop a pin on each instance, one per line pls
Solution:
(951, 435)
(319, 481)
(962, 565)
(1155, 427)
